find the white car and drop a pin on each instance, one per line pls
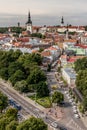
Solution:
(74, 107)
(73, 103)
(76, 116)
(71, 100)
(54, 124)
(66, 92)
(75, 111)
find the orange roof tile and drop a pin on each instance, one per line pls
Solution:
(46, 53)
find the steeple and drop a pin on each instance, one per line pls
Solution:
(29, 19)
(62, 21)
(29, 24)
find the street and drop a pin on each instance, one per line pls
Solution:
(28, 107)
(67, 120)
(68, 117)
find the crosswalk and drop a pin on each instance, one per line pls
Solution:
(72, 124)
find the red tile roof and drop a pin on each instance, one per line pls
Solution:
(74, 58)
(81, 45)
(46, 53)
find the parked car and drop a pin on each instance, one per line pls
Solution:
(54, 124)
(76, 116)
(14, 104)
(75, 111)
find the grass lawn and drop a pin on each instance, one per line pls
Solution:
(44, 101)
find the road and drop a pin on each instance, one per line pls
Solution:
(68, 118)
(28, 107)
(68, 121)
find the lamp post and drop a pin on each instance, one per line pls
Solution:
(35, 96)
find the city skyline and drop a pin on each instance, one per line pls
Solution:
(47, 12)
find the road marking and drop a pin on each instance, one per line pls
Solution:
(69, 124)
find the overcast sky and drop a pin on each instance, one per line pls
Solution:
(44, 11)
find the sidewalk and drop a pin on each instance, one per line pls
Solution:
(84, 120)
(23, 96)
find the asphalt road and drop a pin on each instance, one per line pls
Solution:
(29, 108)
(68, 119)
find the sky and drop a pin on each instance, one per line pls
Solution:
(43, 12)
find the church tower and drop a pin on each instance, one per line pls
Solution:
(29, 24)
(62, 21)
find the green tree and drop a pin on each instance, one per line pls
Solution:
(57, 97)
(13, 67)
(4, 73)
(12, 125)
(3, 123)
(21, 86)
(32, 124)
(17, 76)
(85, 103)
(36, 76)
(39, 35)
(35, 57)
(16, 54)
(12, 112)
(81, 82)
(81, 64)
(3, 102)
(42, 89)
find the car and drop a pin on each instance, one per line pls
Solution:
(54, 124)
(11, 102)
(62, 103)
(76, 116)
(71, 100)
(65, 92)
(75, 111)
(62, 128)
(17, 106)
(74, 107)
(73, 103)
(69, 97)
(14, 104)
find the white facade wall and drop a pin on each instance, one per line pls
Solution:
(68, 79)
(66, 76)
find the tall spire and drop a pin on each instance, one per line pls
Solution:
(62, 21)
(29, 19)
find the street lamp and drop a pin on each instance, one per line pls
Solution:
(35, 96)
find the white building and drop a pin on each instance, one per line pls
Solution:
(69, 75)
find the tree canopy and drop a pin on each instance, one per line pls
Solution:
(81, 79)
(42, 89)
(81, 82)
(3, 102)
(23, 71)
(57, 97)
(9, 123)
(81, 64)
(32, 124)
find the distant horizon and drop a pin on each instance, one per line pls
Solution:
(7, 20)
(47, 12)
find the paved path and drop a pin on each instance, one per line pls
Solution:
(27, 106)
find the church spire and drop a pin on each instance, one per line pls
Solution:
(29, 19)
(62, 21)
(29, 24)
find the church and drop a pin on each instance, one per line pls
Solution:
(29, 24)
